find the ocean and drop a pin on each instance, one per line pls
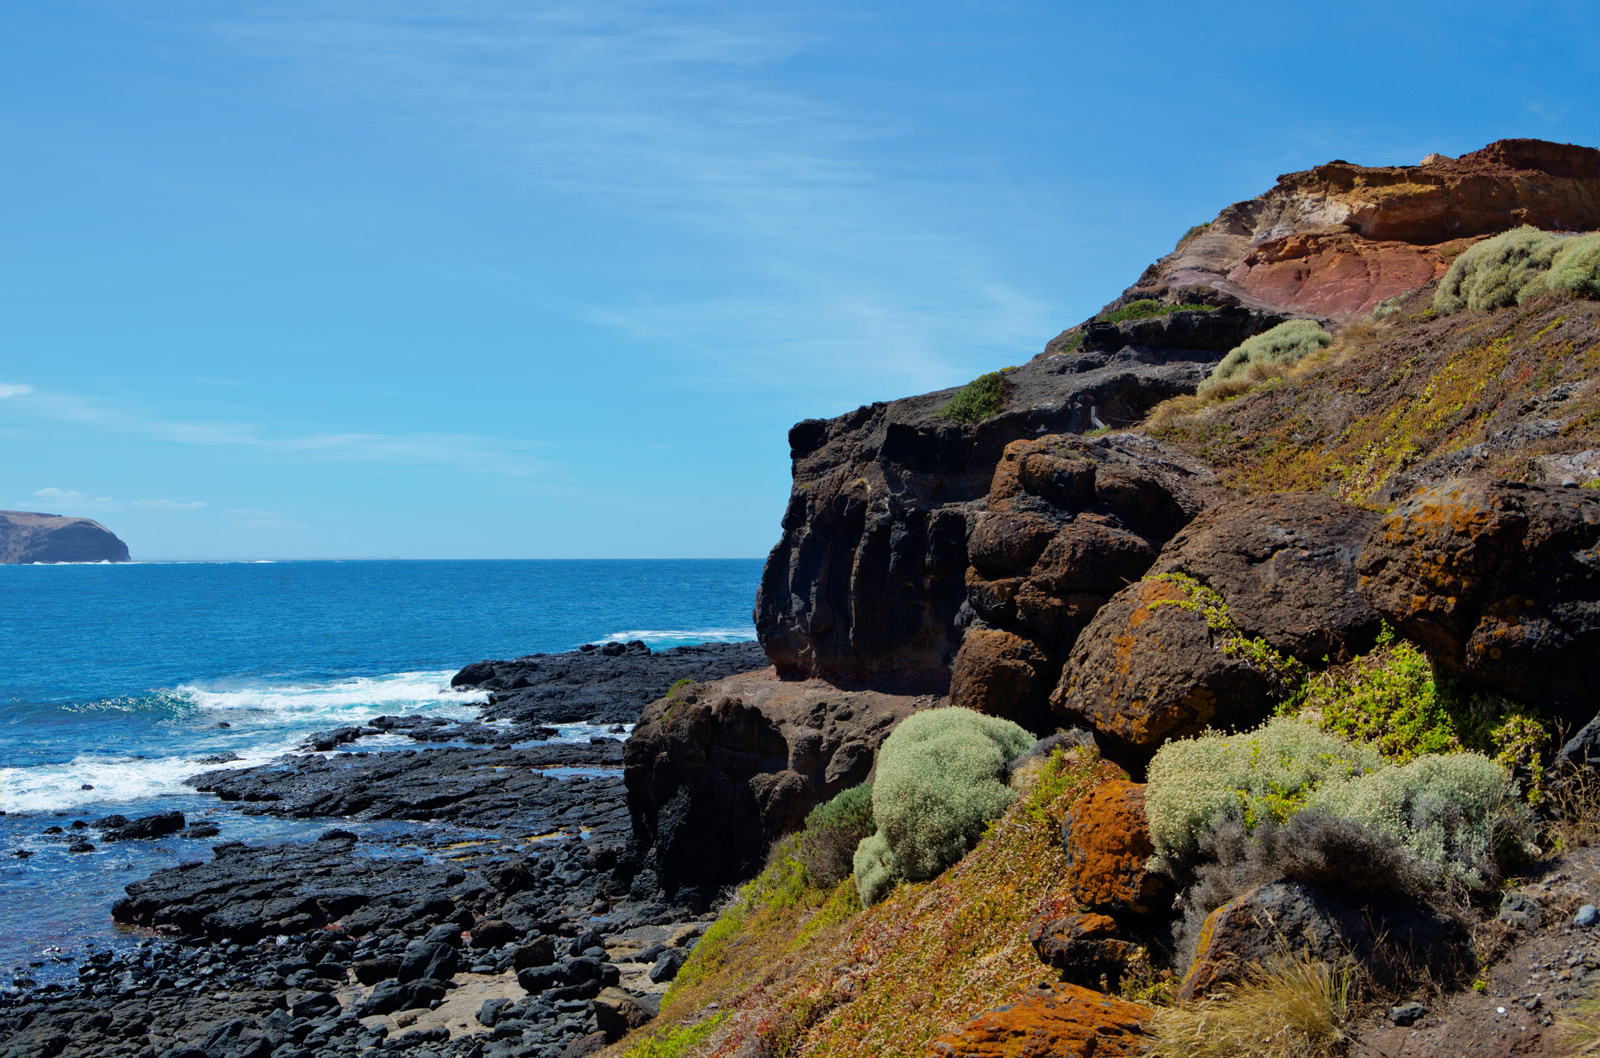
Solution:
(118, 681)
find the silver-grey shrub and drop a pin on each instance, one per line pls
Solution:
(1516, 266)
(941, 778)
(1449, 811)
(1283, 345)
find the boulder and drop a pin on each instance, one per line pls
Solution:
(1066, 1021)
(1393, 940)
(1286, 564)
(151, 826)
(1149, 669)
(1107, 841)
(1069, 522)
(618, 1013)
(1500, 583)
(715, 776)
(1084, 947)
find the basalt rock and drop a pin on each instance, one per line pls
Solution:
(1394, 940)
(1106, 837)
(1085, 947)
(1069, 522)
(29, 537)
(1500, 582)
(1152, 665)
(715, 774)
(866, 586)
(1066, 1020)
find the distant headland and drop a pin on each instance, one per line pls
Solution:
(27, 536)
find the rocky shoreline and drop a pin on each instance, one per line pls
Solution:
(495, 922)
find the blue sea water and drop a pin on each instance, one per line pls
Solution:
(116, 679)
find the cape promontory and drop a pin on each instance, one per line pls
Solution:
(27, 536)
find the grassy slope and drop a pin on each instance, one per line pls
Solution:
(1353, 419)
(806, 971)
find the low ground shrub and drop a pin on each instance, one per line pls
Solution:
(980, 399)
(826, 847)
(1519, 265)
(1267, 353)
(1453, 812)
(941, 779)
(1293, 1006)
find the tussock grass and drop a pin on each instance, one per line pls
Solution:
(1292, 1006)
(1577, 1030)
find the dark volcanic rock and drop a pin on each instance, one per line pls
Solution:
(608, 684)
(1084, 947)
(1500, 582)
(28, 537)
(152, 826)
(714, 776)
(866, 586)
(1397, 941)
(483, 788)
(1150, 666)
(1069, 522)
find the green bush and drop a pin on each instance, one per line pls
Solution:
(1452, 811)
(979, 399)
(826, 846)
(1519, 265)
(1145, 308)
(1281, 346)
(941, 779)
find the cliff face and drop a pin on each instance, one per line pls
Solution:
(868, 585)
(1336, 240)
(28, 537)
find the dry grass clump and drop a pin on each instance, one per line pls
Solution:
(1284, 345)
(1572, 809)
(1577, 1030)
(1293, 1006)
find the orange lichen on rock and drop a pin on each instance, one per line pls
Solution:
(1065, 1021)
(1108, 843)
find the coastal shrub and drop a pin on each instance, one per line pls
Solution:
(941, 779)
(1292, 1006)
(1519, 265)
(979, 399)
(1392, 699)
(1453, 812)
(1278, 348)
(826, 847)
(1145, 308)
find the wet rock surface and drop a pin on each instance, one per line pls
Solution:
(605, 684)
(480, 915)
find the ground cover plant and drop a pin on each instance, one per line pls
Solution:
(1355, 419)
(807, 971)
(941, 778)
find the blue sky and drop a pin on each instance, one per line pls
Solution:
(484, 279)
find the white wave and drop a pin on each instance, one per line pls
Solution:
(652, 636)
(46, 788)
(341, 701)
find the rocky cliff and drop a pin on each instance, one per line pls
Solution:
(28, 537)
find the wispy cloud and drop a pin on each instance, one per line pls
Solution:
(467, 452)
(13, 390)
(687, 115)
(170, 505)
(74, 498)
